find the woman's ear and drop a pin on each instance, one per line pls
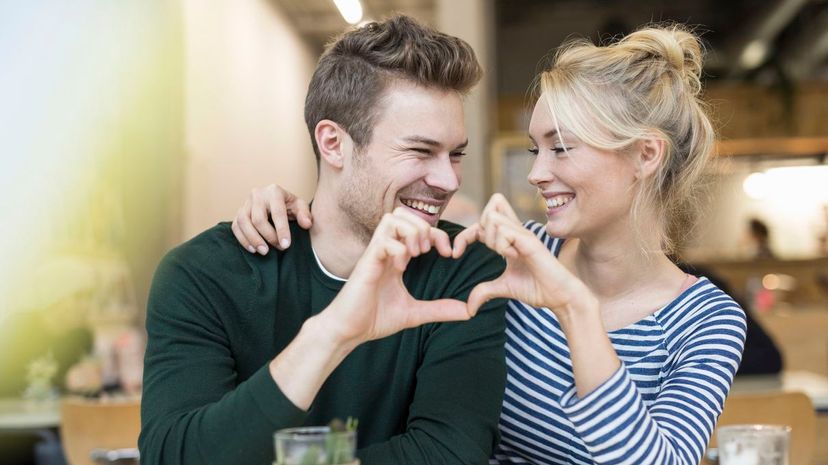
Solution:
(333, 142)
(650, 156)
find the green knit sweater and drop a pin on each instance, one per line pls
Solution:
(218, 314)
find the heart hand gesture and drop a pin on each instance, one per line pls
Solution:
(533, 275)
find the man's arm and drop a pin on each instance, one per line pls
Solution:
(194, 413)
(193, 408)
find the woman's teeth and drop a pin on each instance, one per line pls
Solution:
(558, 201)
(422, 206)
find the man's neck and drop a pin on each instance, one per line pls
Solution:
(336, 246)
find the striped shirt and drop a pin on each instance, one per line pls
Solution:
(661, 405)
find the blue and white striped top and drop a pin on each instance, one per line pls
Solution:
(659, 408)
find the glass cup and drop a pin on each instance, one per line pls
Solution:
(753, 444)
(316, 445)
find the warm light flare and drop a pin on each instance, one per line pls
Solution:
(351, 10)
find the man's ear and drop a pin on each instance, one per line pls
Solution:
(334, 143)
(650, 156)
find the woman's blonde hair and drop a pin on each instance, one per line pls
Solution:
(645, 85)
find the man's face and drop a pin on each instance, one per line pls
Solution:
(412, 160)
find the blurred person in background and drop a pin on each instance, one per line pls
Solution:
(758, 239)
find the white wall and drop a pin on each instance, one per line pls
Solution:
(473, 21)
(246, 76)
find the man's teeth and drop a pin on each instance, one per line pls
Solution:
(424, 207)
(558, 201)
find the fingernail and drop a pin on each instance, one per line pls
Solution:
(262, 250)
(251, 249)
(284, 243)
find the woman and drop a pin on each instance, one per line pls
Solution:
(614, 354)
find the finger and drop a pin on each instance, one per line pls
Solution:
(501, 205)
(483, 293)
(464, 239)
(504, 242)
(524, 242)
(301, 210)
(422, 226)
(248, 230)
(441, 241)
(258, 217)
(407, 234)
(489, 231)
(413, 231)
(272, 200)
(396, 253)
(435, 311)
(240, 237)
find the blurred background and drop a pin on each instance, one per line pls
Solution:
(127, 127)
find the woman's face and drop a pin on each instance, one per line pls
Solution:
(587, 190)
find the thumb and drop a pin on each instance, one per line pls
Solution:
(485, 292)
(434, 311)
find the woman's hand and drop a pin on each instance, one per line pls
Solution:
(252, 228)
(533, 275)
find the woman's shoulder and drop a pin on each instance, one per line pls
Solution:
(539, 230)
(703, 309)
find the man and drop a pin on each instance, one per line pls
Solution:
(242, 345)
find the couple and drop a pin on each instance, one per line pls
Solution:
(373, 309)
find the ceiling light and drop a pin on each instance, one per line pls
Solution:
(756, 186)
(351, 10)
(754, 54)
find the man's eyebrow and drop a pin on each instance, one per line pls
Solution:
(431, 142)
(421, 140)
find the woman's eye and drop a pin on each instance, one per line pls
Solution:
(533, 150)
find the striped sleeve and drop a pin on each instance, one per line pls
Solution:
(617, 427)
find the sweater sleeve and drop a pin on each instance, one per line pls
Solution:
(460, 383)
(193, 409)
(616, 425)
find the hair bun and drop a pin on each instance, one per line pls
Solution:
(675, 45)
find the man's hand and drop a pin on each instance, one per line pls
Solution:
(373, 304)
(251, 226)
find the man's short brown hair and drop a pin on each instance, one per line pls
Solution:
(356, 68)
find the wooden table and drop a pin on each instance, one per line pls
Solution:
(814, 385)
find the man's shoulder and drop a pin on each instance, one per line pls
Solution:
(216, 256)
(216, 245)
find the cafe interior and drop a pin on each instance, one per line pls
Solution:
(129, 127)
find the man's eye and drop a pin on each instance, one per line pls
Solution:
(458, 154)
(421, 150)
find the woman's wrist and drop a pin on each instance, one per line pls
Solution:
(581, 310)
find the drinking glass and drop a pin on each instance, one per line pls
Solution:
(316, 445)
(753, 444)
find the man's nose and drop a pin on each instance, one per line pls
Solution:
(444, 175)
